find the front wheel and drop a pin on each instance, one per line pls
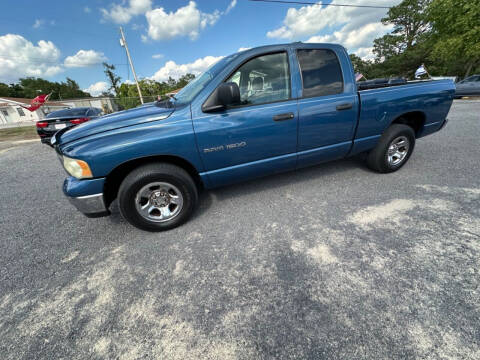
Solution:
(157, 197)
(393, 150)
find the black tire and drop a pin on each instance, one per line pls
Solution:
(377, 159)
(152, 173)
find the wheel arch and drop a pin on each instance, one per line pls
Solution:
(414, 119)
(116, 176)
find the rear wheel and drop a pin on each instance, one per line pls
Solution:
(157, 197)
(393, 150)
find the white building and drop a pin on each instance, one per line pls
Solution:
(12, 112)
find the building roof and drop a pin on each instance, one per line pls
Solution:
(88, 98)
(28, 101)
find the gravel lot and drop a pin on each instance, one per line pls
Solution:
(331, 262)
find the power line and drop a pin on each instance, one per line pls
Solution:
(321, 4)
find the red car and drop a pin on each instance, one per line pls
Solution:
(64, 118)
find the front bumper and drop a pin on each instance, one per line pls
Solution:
(443, 124)
(86, 195)
(90, 205)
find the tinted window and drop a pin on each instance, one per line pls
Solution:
(471, 79)
(263, 79)
(68, 112)
(93, 112)
(321, 72)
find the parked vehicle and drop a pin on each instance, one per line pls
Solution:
(254, 113)
(468, 87)
(61, 119)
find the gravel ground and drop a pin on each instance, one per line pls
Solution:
(331, 262)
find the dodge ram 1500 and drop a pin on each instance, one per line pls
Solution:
(257, 112)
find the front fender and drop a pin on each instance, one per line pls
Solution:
(105, 151)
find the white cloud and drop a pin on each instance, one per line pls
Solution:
(355, 39)
(20, 57)
(84, 58)
(38, 23)
(138, 27)
(358, 26)
(366, 53)
(157, 56)
(87, 9)
(174, 70)
(243, 49)
(41, 22)
(231, 6)
(185, 21)
(121, 14)
(98, 88)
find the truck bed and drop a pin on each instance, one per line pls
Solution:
(379, 106)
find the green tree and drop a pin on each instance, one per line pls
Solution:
(361, 66)
(69, 89)
(456, 34)
(4, 89)
(128, 95)
(109, 70)
(408, 45)
(184, 80)
(409, 19)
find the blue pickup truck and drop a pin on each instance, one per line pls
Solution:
(254, 113)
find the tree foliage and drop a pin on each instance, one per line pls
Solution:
(442, 34)
(456, 33)
(31, 87)
(114, 80)
(127, 94)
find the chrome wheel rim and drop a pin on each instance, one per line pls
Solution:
(398, 150)
(159, 201)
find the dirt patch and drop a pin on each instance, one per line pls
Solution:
(18, 133)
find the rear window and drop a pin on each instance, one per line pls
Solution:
(68, 112)
(321, 72)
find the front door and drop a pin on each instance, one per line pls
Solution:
(257, 137)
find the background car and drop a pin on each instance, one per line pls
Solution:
(61, 119)
(468, 87)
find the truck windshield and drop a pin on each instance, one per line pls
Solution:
(194, 87)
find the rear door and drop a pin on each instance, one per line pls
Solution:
(327, 106)
(259, 136)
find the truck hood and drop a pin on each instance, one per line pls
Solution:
(113, 121)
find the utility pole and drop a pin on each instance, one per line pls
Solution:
(123, 42)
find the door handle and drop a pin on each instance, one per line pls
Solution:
(345, 106)
(281, 117)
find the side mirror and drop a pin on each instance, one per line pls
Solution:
(225, 95)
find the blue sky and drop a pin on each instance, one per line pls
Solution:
(166, 37)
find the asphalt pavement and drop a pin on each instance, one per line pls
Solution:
(330, 262)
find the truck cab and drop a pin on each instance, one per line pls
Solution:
(254, 113)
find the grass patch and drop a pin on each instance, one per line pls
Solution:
(18, 133)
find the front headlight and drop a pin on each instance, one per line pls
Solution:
(77, 168)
